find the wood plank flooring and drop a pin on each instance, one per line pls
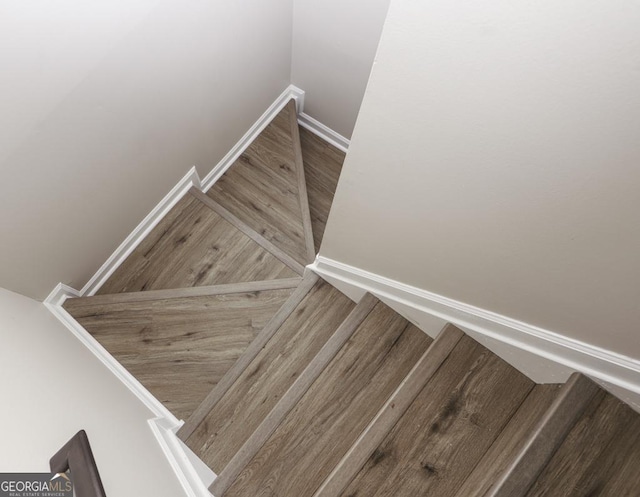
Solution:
(322, 167)
(545, 438)
(600, 456)
(262, 188)
(451, 424)
(293, 395)
(179, 348)
(393, 410)
(510, 441)
(243, 407)
(251, 352)
(339, 405)
(194, 246)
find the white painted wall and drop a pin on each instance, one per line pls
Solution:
(334, 43)
(105, 105)
(52, 386)
(496, 162)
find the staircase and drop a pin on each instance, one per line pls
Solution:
(290, 389)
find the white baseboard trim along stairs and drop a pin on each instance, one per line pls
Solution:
(543, 355)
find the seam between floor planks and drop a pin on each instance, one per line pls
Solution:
(342, 475)
(305, 286)
(177, 293)
(303, 198)
(293, 395)
(278, 253)
(545, 439)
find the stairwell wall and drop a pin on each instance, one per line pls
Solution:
(334, 44)
(52, 386)
(495, 164)
(106, 105)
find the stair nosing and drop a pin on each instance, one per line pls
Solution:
(390, 413)
(197, 291)
(545, 438)
(295, 392)
(305, 286)
(303, 197)
(228, 216)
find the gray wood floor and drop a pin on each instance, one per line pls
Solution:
(262, 188)
(509, 442)
(194, 246)
(450, 425)
(600, 456)
(328, 419)
(322, 167)
(239, 412)
(179, 348)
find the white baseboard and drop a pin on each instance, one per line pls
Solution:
(556, 354)
(189, 180)
(193, 480)
(324, 132)
(291, 92)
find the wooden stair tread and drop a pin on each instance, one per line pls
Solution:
(179, 348)
(263, 188)
(194, 246)
(599, 457)
(235, 416)
(509, 442)
(75, 303)
(322, 167)
(545, 437)
(247, 230)
(251, 352)
(315, 435)
(451, 424)
(392, 411)
(297, 390)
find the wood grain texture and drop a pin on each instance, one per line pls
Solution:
(261, 188)
(279, 254)
(303, 199)
(510, 442)
(391, 412)
(294, 393)
(177, 293)
(193, 246)
(180, 348)
(599, 457)
(328, 419)
(233, 419)
(545, 438)
(447, 429)
(322, 167)
(250, 353)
